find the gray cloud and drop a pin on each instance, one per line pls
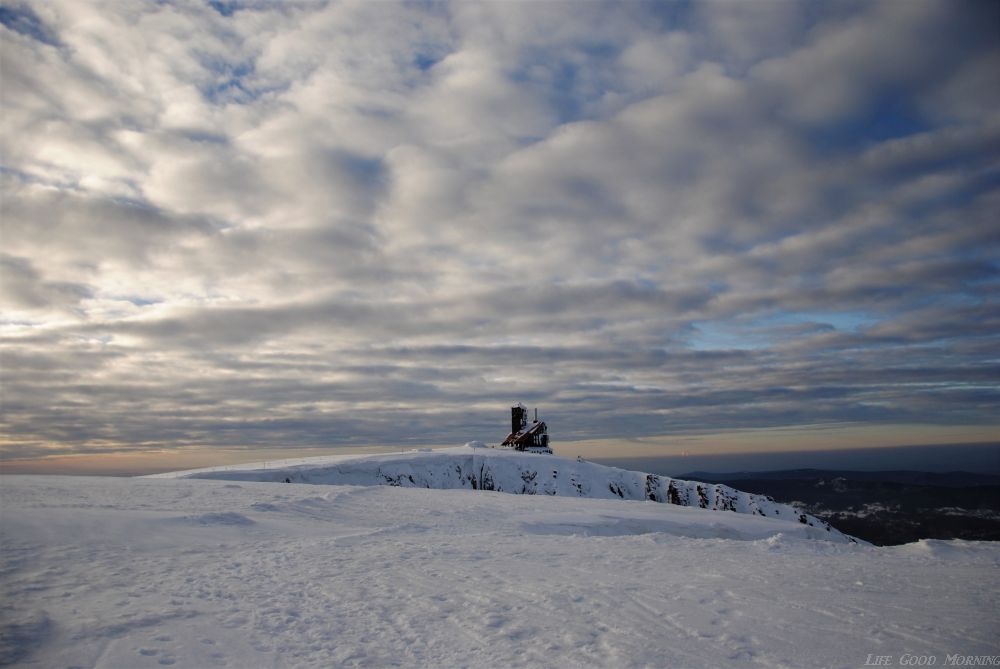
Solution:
(329, 224)
(23, 285)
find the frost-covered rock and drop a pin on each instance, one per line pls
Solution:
(500, 470)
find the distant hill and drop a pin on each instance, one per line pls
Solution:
(885, 508)
(947, 479)
(502, 470)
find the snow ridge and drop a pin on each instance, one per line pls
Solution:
(507, 471)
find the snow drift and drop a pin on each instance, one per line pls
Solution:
(475, 468)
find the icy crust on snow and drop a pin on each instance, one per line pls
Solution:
(475, 468)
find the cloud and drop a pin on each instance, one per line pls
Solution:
(328, 224)
(24, 287)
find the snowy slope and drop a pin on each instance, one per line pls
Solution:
(513, 472)
(143, 573)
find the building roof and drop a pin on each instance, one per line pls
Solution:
(537, 427)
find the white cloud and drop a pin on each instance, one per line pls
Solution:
(389, 206)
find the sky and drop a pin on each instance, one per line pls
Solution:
(247, 226)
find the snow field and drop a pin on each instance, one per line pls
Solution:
(101, 572)
(476, 468)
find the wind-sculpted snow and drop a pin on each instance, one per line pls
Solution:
(141, 573)
(512, 472)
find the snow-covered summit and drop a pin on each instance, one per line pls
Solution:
(477, 468)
